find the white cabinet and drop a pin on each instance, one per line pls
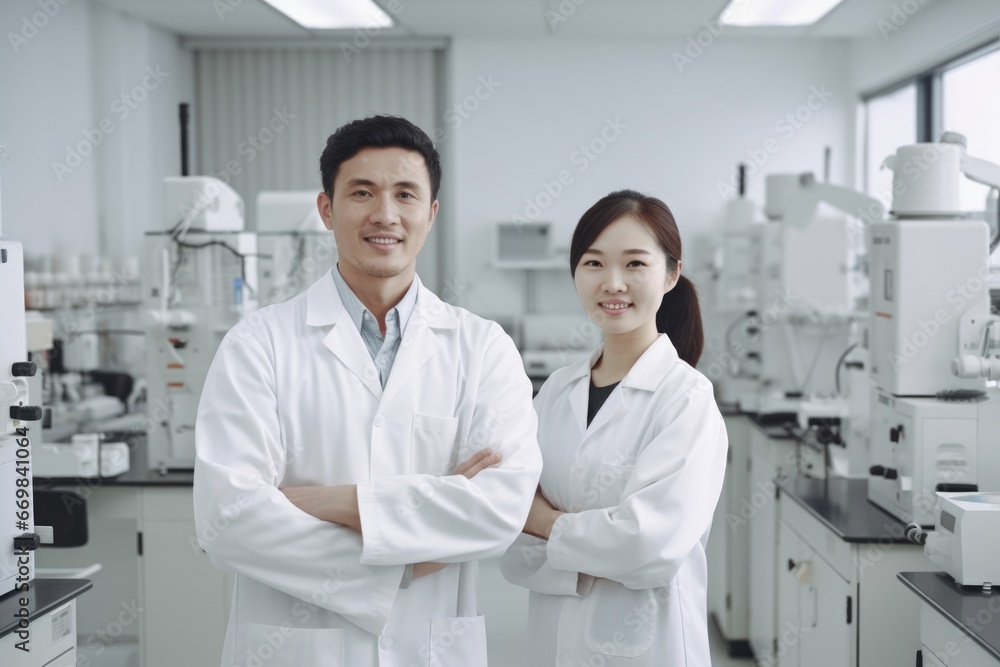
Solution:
(52, 640)
(184, 595)
(957, 624)
(728, 567)
(815, 606)
(770, 459)
(838, 601)
(156, 588)
(944, 644)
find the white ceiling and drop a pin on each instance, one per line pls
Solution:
(496, 18)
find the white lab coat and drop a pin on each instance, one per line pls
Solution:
(622, 579)
(292, 399)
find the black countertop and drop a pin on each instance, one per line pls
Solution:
(780, 426)
(43, 596)
(842, 505)
(969, 609)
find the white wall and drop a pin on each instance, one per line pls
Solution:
(148, 66)
(685, 129)
(48, 102)
(61, 85)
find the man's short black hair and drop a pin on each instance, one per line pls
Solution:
(378, 132)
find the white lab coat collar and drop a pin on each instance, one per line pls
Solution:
(325, 308)
(647, 372)
(646, 375)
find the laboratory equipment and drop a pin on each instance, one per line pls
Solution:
(17, 531)
(526, 245)
(295, 247)
(86, 456)
(932, 415)
(196, 286)
(805, 318)
(731, 361)
(201, 203)
(967, 538)
(804, 298)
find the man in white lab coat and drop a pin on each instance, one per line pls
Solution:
(362, 444)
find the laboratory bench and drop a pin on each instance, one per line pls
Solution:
(837, 601)
(138, 473)
(51, 623)
(842, 506)
(957, 625)
(760, 449)
(142, 533)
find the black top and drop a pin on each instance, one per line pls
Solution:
(968, 608)
(597, 397)
(842, 505)
(43, 596)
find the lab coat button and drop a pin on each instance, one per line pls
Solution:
(385, 643)
(563, 657)
(578, 467)
(379, 421)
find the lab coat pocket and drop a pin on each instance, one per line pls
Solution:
(285, 646)
(458, 642)
(432, 444)
(611, 481)
(619, 621)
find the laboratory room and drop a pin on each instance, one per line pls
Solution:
(683, 314)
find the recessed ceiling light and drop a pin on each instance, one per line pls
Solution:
(333, 14)
(776, 12)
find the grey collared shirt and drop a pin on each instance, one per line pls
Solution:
(382, 349)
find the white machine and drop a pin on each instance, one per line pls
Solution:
(933, 420)
(295, 247)
(17, 531)
(967, 538)
(804, 294)
(201, 203)
(732, 359)
(197, 284)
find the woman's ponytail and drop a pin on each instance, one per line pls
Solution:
(679, 316)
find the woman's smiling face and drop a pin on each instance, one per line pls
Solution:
(622, 277)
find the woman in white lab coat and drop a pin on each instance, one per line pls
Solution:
(634, 452)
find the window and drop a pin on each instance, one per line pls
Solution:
(890, 122)
(970, 104)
